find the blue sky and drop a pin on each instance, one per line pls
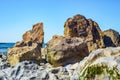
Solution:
(18, 16)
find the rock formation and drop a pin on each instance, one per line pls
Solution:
(79, 26)
(69, 57)
(63, 51)
(111, 38)
(36, 35)
(30, 53)
(27, 70)
(3, 62)
(102, 64)
(29, 48)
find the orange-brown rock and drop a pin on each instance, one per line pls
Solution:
(61, 51)
(89, 30)
(111, 38)
(29, 48)
(35, 35)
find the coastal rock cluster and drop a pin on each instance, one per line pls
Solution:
(101, 64)
(28, 49)
(84, 52)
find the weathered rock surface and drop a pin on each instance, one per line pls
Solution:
(61, 51)
(29, 48)
(102, 64)
(30, 53)
(111, 38)
(3, 62)
(36, 35)
(31, 71)
(89, 30)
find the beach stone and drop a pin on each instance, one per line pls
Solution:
(61, 51)
(25, 70)
(30, 53)
(28, 70)
(111, 38)
(101, 64)
(4, 65)
(3, 62)
(89, 30)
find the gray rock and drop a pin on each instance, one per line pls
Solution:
(101, 64)
(27, 70)
(3, 63)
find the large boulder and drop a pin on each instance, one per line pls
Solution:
(61, 51)
(36, 35)
(102, 64)
(111, 38)
(30, 53)
(89, 30)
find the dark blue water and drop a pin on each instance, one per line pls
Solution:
(4, 46)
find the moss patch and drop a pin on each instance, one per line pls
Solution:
(90, 72)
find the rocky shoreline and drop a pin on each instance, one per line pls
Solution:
(85, 52)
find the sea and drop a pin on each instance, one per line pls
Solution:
(5, 46)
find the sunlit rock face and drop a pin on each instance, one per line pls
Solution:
(102, 64)
(30, 53)
(89, 30)
(61, 51)
(29, 48)
(35, 35)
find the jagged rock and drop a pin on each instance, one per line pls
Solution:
(18, 54)
(24, 71)
(3, 62)
(36, 35)
(2, 56)
(111, 38)
(61, 51)
(79, 26)
(29, 48)
(22, 44)
(102, 64)
(28, 70)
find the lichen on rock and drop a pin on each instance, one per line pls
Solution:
(101, 64)
(62, 51)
